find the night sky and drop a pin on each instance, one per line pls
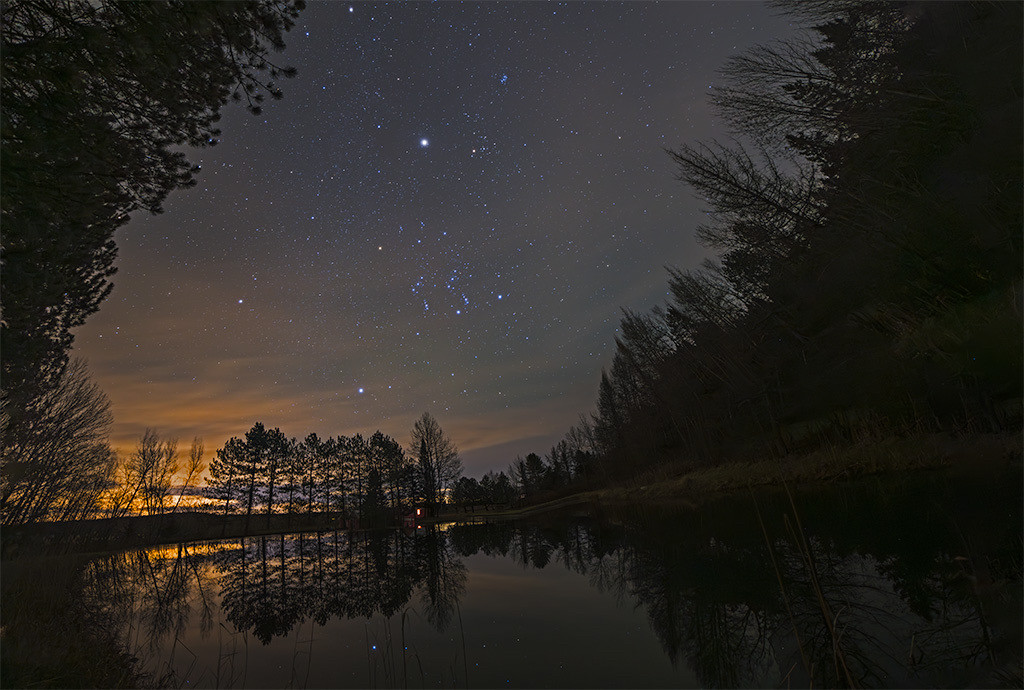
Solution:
(445, 213)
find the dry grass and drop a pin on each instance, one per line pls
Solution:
(828, 465)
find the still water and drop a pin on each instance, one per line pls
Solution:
(880, 584)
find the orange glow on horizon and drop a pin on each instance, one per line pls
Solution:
(182, 411)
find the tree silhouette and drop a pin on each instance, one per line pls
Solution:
(316, 472)
(437, 457)
(390, 460)
(150, 469)
(98, 98)
(869, 249)
(227, 473)
(57, 468)
(246, 471)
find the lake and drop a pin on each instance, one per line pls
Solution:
(895, 583)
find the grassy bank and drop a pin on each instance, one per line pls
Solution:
(694, 486)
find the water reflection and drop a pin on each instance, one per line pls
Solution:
(899, 591)
(746, 593)
(270, 584)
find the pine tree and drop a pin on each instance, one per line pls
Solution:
(225, 474)
(98, 99)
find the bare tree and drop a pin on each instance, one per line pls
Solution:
(195, 467)
(820, 88)
(57, 467)
(149, 470)
(438, 457)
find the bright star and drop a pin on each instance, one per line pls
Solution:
(360, 390)
(424, 143)
(239, 301)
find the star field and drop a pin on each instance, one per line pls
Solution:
(445, 212)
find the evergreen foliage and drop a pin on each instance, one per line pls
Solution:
(361, 482)
(868, 280)
(98, 99)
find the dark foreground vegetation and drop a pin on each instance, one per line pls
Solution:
(868, 286)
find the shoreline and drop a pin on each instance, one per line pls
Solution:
(693, 488)
(112, 535)
(826, 467)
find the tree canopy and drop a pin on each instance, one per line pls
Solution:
(437, 457)
(867, 221)
(98, 99)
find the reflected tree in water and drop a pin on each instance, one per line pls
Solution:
(442, 577)
(271, 584)
(826, 601)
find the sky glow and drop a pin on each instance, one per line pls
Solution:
(481, 280)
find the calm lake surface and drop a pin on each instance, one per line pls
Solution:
(912, 583)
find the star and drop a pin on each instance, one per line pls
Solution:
(329, 300)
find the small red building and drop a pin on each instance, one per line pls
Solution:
(413, 517)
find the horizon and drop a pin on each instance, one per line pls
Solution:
(445, 213)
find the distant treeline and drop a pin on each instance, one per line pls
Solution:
(868, 279)
(366, 481)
